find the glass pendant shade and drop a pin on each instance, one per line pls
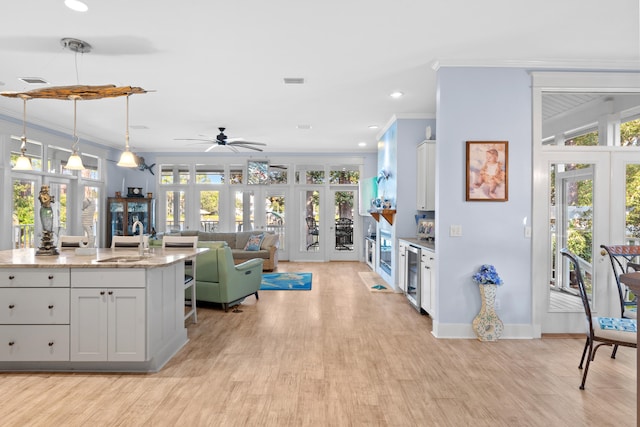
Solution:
(127, 160)
(75, 162)
(23, 164)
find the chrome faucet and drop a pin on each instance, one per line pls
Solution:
(141, 231)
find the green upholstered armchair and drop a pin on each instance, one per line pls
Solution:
(219, 280)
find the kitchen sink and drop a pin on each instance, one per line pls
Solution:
(122, 259)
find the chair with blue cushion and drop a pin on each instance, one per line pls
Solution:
(614, 331)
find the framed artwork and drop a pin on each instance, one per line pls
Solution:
(257, 172)
(487, 169)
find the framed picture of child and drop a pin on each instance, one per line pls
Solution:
(487, 171)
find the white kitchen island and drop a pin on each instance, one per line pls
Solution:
(112, 311)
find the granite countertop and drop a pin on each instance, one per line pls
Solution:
(427, 244)
(102, 258)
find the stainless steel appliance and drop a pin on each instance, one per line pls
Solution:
(412, 275)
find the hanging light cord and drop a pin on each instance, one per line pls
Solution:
(23, 140)
(74, 148)
(126, 135)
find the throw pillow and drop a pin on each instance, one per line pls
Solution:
(253, 244)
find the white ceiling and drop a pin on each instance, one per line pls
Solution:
(222, 63)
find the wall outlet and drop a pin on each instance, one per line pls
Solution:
(527, 232)
(455, 230)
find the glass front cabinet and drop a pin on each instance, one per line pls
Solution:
(123, 212)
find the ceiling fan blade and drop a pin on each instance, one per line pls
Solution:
(211, 147)
(245, 142)
(192, 139)
(249, 147)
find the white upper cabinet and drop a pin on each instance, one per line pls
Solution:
(426, 176)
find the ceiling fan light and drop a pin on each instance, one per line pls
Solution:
(23, 163)
(75, 162)
(127, 160)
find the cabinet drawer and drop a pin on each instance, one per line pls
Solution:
(34, 343)
(33, 306)
(108, 277)
(34, 278)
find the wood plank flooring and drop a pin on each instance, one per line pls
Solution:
(337, 355)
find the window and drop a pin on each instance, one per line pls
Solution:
(209, 174)
(278, 174)
(236, 174)
(344, 175)
(174, 174)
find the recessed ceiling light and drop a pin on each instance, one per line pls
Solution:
(139, 127)
(373, 126)
(304, 127)
(362, 144)
(33, 80)
(396, 94)
(76, 5)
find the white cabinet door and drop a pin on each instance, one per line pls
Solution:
(402, 265)
(126, 331)
(108, 324)
(88, 324)
(427, 279)
(426, 174)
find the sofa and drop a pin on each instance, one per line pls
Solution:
(237, 242)
(220, 280)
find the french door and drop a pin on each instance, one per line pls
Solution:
(585, 193)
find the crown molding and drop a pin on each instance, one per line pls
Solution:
(582, 64)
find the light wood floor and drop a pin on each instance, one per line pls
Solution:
(337, 355)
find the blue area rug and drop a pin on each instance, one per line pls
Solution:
(286, 282)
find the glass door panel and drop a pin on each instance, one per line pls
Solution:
(209, 210)
(174, 210)
(274, 220)
(23, 214)
(311, 237)
(577, 191)
(244, 210)
(343, 223)
(91, 208)
(59, 193)
(572, 202)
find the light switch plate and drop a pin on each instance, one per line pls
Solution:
(455, 230)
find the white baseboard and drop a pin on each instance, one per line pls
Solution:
(465, 331)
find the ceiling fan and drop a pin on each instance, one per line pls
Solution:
(222, 140)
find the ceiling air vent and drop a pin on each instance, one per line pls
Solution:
(293, 80)
(34, 80)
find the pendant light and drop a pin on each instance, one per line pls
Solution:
(127, 159)
(75, 161)
(23, 163)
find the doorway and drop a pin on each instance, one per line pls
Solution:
(586, 154)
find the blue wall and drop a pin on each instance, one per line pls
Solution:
(482, 104)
